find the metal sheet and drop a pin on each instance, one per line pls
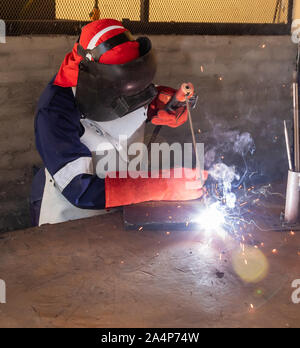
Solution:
(162, 215)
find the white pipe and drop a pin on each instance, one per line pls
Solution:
(292, 198)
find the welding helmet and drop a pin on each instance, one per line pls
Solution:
(107, 92)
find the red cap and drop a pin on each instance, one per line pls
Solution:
(93, 35)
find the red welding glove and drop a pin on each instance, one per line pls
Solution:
(161, 117)
(120, 192)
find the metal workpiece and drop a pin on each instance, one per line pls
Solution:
(198, 161)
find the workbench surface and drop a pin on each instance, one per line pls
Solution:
(93, 273)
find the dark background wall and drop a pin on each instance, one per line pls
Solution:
(244, 85)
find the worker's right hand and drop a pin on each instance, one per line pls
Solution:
(171, 119)
(182, 185)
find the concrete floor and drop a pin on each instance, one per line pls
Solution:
(93, 273)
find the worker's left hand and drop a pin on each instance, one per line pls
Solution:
(161, 117)
(179, 184)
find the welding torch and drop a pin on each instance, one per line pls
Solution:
(185, 92)
(184, 97)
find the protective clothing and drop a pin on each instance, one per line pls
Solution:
(58, 132)
(160, 115)
(120, 192)
(109, 91)
(72, 184)
(92, 35)
(112, 71)
(55, 208)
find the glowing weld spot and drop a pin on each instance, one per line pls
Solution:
(212, 219)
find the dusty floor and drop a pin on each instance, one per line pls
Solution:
(93, 273)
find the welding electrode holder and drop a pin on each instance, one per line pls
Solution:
(179, 99)
(292, 198)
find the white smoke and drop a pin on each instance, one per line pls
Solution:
(232, 141)
(244, 144)
(225, 176)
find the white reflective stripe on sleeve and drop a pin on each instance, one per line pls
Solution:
(96, 38)
(83, 165)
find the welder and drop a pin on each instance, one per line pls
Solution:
(104, 89)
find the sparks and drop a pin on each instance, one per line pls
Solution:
(243, 204)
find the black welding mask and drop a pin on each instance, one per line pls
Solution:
(108, 92)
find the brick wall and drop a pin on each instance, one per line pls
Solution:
(26, 66)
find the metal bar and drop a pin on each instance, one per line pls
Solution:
(69, 27)
(156, 131)
(145, 8)
(156, 215)
(290, 13)
(279, 12)
(278, 3)
(165, 28)
(288, 148)
(199, 175)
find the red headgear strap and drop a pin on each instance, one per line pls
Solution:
(93, 35)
